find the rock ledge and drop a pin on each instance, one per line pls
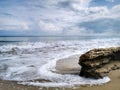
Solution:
(97, 63)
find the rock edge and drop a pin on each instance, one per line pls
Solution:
(97, 63)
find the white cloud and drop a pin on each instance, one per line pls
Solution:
(51, 17)
(54, 19)
(116, 10)
(94, 13)
(13, 24)
(79, 4)
(72, 3)
(25, 26)
(110, 0)
(48, 27)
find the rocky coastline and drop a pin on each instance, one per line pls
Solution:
(97, 63)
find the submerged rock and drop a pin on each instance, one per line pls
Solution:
(97, 63)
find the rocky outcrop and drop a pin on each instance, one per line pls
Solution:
(97, 63)
(68, 65)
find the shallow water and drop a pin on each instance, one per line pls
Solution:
(26, 61)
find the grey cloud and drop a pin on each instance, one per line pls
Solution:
(101, 25)
(61, 17)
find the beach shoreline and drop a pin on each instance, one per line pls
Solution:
(112, 85)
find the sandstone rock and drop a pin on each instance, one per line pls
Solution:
(68, 65)
(97, 63)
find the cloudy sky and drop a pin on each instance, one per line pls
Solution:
(59, 17)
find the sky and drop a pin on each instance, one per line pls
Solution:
(59, 17)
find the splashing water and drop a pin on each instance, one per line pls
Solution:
(26, 62)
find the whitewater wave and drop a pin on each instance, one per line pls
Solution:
(26, 62)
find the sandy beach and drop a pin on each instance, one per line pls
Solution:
(112, 85)
(59, 44)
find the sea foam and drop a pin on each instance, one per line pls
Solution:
(26, 62)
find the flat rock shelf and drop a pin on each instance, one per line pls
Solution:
(68, 65)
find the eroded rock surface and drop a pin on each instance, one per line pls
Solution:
(97, 63)
(68, 65)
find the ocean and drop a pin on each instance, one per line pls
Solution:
(27, 59)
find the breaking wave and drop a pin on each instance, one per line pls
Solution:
(30, 63)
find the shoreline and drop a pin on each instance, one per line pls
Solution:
(112, 85)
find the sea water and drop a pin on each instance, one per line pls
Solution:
(27, 59)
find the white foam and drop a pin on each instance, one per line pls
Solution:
(63, 80)
(68, 84)
(36, 60)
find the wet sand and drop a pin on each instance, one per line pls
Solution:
(114, 84)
